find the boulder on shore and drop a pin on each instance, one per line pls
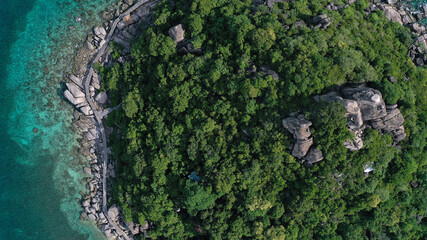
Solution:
(77, 93)
(100, 32)
(75, 101)
(101, 98)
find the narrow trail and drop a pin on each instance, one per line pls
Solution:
(99, 115)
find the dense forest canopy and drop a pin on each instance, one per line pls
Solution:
(201, 152)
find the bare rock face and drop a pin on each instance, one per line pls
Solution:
(301, 147)
(353, 114)
(313, 156)
(77, 93)
(393, 15)
(113, 213)
(177, 33)
(134, 228)
(300, 129)
(298, 126)
(369, 100)
(75, 101)
(86, 110)
(398, 134)
(75, 80)
(270, 3)
(329, 97)
(299, 24)
(393, 120)
(267, 70)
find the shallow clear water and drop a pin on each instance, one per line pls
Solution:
(41, 173)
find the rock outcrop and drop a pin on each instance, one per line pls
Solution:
(369, 101)
(393, 15)
(299, 127)
(101, 98)
(314, 155)
(322, 21)
(365, 108)
(100, 32)
(76, 97)
(177, 33)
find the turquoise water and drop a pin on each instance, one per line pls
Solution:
(41, 173)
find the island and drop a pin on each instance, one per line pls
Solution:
(253, 119)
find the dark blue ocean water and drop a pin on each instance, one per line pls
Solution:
(41, 173)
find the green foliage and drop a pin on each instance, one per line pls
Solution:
(209, 114)
(197, 197)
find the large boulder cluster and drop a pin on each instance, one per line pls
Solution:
(364, 108)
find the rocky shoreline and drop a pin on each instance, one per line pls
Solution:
(90, 106)
(86, 101)
(396, 12)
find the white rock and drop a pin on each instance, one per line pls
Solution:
(113, 212)
(77, 93)
(70, 97)
(86, 203)
(177, 33)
